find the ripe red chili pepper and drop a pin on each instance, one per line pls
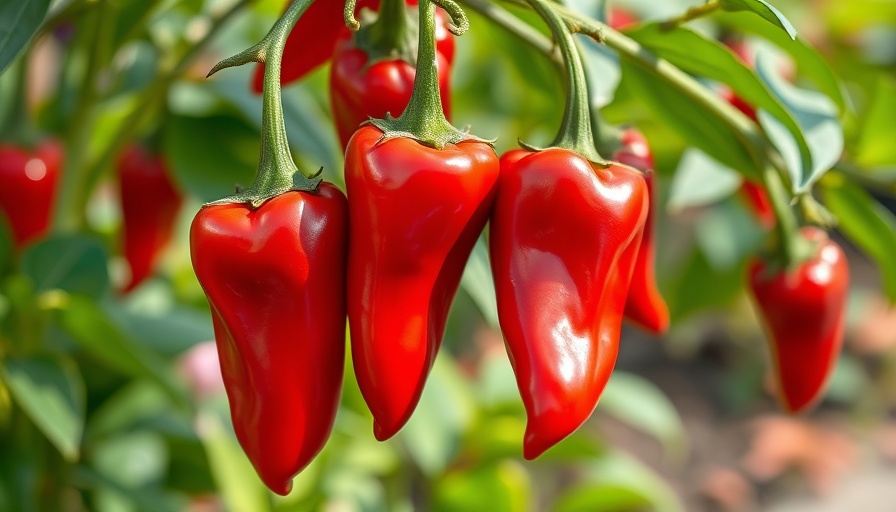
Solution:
(275, 280)
(644, 306)
(415, 213)
(305, 52)
(150, 203)
(803, 313)
(28, 181)
(360, 90)
(564, 238)
(620, 18)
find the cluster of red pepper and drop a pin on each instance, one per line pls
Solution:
(571, 246)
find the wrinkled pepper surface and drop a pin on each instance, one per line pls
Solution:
(804, 314)
(415, 213)
(563, 239)
(275, 281)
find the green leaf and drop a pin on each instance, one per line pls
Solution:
(690, 119)
(603, 497)
(73, 263)
(816, 115)
(7, 246)
(211, 155)
(876, 142)
(764, 10)
(19, 21)
(639, 403)
(501, 487)
(477, 281)
(867, 223)
(97, 335)
(689, 292)
(51, 393)
(621, 470)
(810, 64)
(700, 180)
(708, 58)
(728, 234)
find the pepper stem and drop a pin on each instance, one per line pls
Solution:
(424, 119)
(575, 130)
(277, 172)
(793, 249)
(390, 30)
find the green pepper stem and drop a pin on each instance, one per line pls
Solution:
(277, 172)
(390, 29)
(424, 119)
(575, 130)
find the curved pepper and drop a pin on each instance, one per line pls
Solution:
(360, 90)
(28, 181)
(415, 213)
(803, 313)
(644, 306)
(275, 280)
(564, 238)
(150, 203)
(314, 37)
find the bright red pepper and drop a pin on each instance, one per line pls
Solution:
(644, 306)
(415, 213)
(275, 280)
(150, 203)
(28, 181)
(564, 238)
(803, 313)
(360, 90)
(620, 18)
(314, 37)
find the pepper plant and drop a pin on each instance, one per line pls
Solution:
(189, 252)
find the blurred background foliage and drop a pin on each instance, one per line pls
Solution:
(114, 403)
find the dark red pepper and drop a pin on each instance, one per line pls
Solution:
(415, 213)
(564, 238)
(803, 313)
(644, 306)
(275, 280)
(150, 203)
(360, 90)
(28, 182)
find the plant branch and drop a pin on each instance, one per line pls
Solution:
(692, 14)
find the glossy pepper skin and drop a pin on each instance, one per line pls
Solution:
(150, 203)
(563, 240)
(644, 306)
(415, 213)
(314, 37)
(804, 316)
(275, 280)
(28, 182)
(360, 90)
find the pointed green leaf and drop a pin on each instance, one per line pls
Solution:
(764, 9)
(74, 263)
(19, 21)
(51, 393)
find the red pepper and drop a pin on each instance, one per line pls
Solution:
(620, 18)
(150, 203)
(360, 90)
(28, 182)
(644, 306)
(564, 238)
(803, 313)
(275, 280)
(314, 37)
(415, 213)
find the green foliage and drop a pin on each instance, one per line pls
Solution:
(19, 21)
